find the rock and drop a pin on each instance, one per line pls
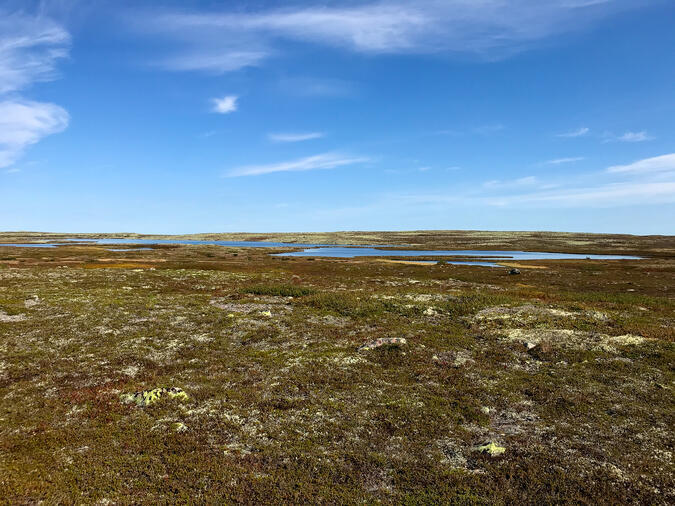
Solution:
(147, 397)
(491, 449)
(32, 301)
(383, 341)
(513, 272)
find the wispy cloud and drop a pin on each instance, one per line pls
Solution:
(229, 39)
(663, 163)
(560, 161)
(579, 132)
(603, 195)
(629, 137)
(644, 182)
(523, 181)
(23, 123)
(216, 61)
(30, 47)
(294, 137)
(317, 162)
(225, 105)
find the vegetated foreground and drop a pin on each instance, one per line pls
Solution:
(206, 373)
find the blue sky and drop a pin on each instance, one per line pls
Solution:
(262, 116)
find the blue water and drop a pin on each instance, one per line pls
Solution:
(235, 244)
(31, 245)
(345, 252)
(486, 257)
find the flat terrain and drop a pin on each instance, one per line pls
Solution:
(552, 386)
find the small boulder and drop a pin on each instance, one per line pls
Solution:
(514, 272)
(31, 301)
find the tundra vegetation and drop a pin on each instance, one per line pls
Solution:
(219, 374)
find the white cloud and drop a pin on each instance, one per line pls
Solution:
(644, 182)
(23, 123)
(635, 137)
(217, 61)
(523, 181)
(230, 39)
(604, 195)
(225, 105)
(560, 161)
(322, 161)
(663, 163)
(295, 137)
(580, 132)
(30, 47)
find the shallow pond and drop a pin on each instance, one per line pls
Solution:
(484, 257)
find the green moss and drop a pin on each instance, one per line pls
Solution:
(278, 290)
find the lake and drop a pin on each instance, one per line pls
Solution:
(487, 258)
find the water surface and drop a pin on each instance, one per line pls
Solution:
(488, 258)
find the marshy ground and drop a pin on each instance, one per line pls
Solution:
(552, 386)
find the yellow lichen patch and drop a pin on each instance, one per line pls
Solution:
(491, 449)
(408, 262)
(522, 266)
(148, 397)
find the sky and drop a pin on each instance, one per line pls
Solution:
(282, 116)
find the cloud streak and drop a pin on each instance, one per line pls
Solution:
(226, 40)
(657, 164)
(560, 161)
(579, 132)
(295, 137)
(644, 182)
(316, 162)
(604, 195)
(30, 48)
(23, 123)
